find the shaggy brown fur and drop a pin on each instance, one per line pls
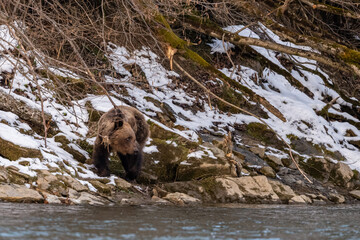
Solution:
(124, 131)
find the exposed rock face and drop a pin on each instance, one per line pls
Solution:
(17, 177)
(336, 198)
(51, 199)
(268, 171)
(306, 199)
(88, 198)
(19, 193)
(122, 184)
(181, 198)
(257, 189)
(72, 183)
(158, 200)
(355, 194)
(192, 188)
(3, 175)
(274, 161)
(284, 192)
(258, 151)
(194, 168)
(48, 182)
(341, 174)
(297, 200)
(228, 192)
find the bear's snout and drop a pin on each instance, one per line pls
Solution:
(136, 149)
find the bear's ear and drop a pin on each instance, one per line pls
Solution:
(118, 124)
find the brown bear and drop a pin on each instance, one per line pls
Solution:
(122, 130)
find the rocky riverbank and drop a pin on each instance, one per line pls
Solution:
(202, 149)
(213, 180)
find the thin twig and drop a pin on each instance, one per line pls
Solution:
(228, 55)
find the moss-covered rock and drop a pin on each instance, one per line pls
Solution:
(64, 145)
(197, 168)
(213, 162)
(211, 187)
(32, 116)
(160, 133)
(101, 187)
(61, 139)
(116, 166)
(166, 160)
(263, 133)
(94, 115)
(318, 168)
(231, 96)
(48, 182)
(17, 177)
(83, 144)
(341, 174)
(13, 152)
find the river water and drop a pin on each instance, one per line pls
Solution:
(35, 221)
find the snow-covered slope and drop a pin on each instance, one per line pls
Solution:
(301, 111)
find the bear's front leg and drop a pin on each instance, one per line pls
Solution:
(132, 164)
(101, 158)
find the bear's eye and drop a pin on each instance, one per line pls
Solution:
(128, 139)
(118, 124)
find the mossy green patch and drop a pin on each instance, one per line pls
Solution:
(231, 96)
(101, 187)
(351, 56)
(83, 144)
(116, 166)
(13, 152)
(292, 137)
(326, 152)
(64, 145)
(210, 185)
(158, 132)
(356, 175)
(167, 158)
(94, 115)
(317, 168)
(61, 139)
(263, 133)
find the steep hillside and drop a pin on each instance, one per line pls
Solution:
(244, 112)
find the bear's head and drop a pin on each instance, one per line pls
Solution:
(122, 138)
